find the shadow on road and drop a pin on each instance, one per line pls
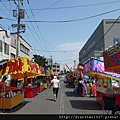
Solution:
(85, 104)
(16, 108)
(72, 94)
(50, 99)
(67, 86)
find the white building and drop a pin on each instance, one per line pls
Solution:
(5, 44)
(8, 43)
(25, 48)
(54, 66)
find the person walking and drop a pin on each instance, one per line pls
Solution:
(56, 85)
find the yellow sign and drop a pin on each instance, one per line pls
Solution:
(20, 68)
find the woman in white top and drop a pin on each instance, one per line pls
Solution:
(56, 85)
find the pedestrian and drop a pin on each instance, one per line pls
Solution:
(80, 89)
(56, 85)
(84, 92)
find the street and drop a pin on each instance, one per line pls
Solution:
(68, 102)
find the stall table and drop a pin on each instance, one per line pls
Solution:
(30, 92)
(99, 98)
(12, 100)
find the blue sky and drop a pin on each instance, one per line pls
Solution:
(59, 28)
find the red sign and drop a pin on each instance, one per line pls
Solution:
(112, 58)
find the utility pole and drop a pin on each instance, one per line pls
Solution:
(74, 64)
(51, 64)
(18, 30)
(51, 60)
(20, 15)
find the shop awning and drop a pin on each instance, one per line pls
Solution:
(101, 75)
(20, 68)
(95, 68)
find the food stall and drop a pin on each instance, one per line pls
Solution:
(105, 81)
(41, 78)
(112, 61)
(18, 68)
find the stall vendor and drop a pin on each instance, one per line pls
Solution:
(2, 86)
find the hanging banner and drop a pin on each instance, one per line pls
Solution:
(112, 58)
(20, 68)
(96, 67)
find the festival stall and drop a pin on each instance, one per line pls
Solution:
(105, 81)
(40, 80)
(112, 62)
(18, 68)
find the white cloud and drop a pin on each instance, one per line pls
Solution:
(73, 49)
(69, 46)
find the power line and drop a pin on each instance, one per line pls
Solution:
(88, 5)
(55, 51)
(37, 27)
(64, 21)
(49, 6)
(75, 20)
(34, 30)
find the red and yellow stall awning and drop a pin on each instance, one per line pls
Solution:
(20, 68)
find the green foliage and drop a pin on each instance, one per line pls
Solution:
(41, 61)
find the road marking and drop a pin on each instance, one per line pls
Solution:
(61, 104)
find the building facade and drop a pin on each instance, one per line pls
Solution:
(106, 34)
(56, 68)
(25, 49)
(5, 42)
(8, 43)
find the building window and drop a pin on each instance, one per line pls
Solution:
(116, 40)
(24, 49)
(112, 22)
(54, 66)
(12, 55)
(1, 48)
(58, 66)
(6, 48)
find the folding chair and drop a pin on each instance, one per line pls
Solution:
(109, 104)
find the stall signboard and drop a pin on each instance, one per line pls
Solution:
(112, 58)
(20, 68)
(96, 66)
(42, 72)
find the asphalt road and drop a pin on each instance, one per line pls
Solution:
(68, 102)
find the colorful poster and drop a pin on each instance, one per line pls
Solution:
(112, 58)
(97, 66)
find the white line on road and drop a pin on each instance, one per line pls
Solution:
(61, 104)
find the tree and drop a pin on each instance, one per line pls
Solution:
(41, 61)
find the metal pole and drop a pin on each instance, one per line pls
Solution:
(18, 30)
